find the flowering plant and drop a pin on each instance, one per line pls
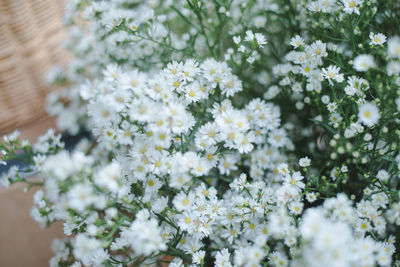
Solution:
(224, 133)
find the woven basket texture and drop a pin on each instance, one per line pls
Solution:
(31, 32)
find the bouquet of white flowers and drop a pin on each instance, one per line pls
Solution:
(224, 133)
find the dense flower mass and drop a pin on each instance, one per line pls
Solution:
(223, 133)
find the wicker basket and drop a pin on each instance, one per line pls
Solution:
(30, 36)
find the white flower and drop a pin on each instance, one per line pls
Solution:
(11, 137)
(363, 62)
(231, 85)
(332, 73)
(109, 177)
(311, 197)
(278, 138)
(260, 39)
(314, 6)
(352, 6)
(393, 68)
(325, 99)
(183, 201)
(85, 248)
(239, 184)
(296, 41)
(176, 262)
(304, 162)
(112, 72)
(368, 114)
(394, 47)
(332, 106)
(249, 36)
(319, 48)
(344, 169)
(295, 180)
(80, 196)
(251, 59)
(296, 207)
(259, 21)
(398, 103)
(336, 118)
(383, 175)
(377, 39)
(198, 256)
(4, 181)
(144, 236)
(222, 258)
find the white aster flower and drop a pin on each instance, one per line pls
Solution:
(198, 256)
(311, 197)
(363, 62)
(260, 39)
(394, 47)
(297, 41)
(377, 38)
(368, 114)
(304, 162)
(222, 258)
(352, 6)
(295, 180)
(383, 175)
(332, 73)
(249, 36)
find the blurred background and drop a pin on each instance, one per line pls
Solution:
(30, 36)
(31, 33)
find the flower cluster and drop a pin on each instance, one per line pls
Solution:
(223, 133)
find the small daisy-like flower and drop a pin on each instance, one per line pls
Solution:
(314, 6)
(259, 21)
(296, 207)
(363, 62)
(383, 175)
(331, 106)
(325, 99)
(304, 162)
(198, 256)
(251, 59)
(112, 72)
(249, 36)
(344, 169)
(295, 180)
(260, 39)
(296, 41)
(336, 118)
(332, 73)
(394, 47)
(368, 114)
(352, 6)
(222, 258)
(377, 39)
(237, 39)
(311, 197)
